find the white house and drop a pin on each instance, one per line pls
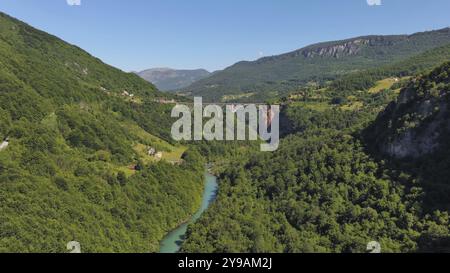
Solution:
(151, 151)
(4, 144)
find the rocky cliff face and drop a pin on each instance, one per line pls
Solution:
(346, 49)
(350, 47)
(423, 140)
(418, 123)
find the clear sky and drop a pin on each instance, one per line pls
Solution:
(213, 34)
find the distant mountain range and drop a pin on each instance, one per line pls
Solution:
(167, 79)
(269, 77)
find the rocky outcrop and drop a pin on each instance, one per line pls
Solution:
(418, 123)
(346, 49)
(421, 140)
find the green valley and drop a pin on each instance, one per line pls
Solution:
(87, 152)
(324, 190)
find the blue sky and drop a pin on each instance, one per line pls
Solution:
(214, 34)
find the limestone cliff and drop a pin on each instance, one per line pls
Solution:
(418, 123)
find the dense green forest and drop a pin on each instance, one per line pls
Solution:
(414, 131)
(72, 170)
(77, 166)
(325, 191)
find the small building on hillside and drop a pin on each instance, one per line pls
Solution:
(4, 144)
(151, 151)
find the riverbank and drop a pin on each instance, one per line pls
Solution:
(173, 241)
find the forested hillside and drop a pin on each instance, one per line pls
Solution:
(75, 162)
(411, 66)
(325, 191)
(74, 169)
(268, 77)
(417, 123)
(413, 132)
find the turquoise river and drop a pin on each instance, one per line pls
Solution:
(172, 241)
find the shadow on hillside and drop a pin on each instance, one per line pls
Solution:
(432, 244)
(431, 173)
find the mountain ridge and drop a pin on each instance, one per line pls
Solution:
(321, 62)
